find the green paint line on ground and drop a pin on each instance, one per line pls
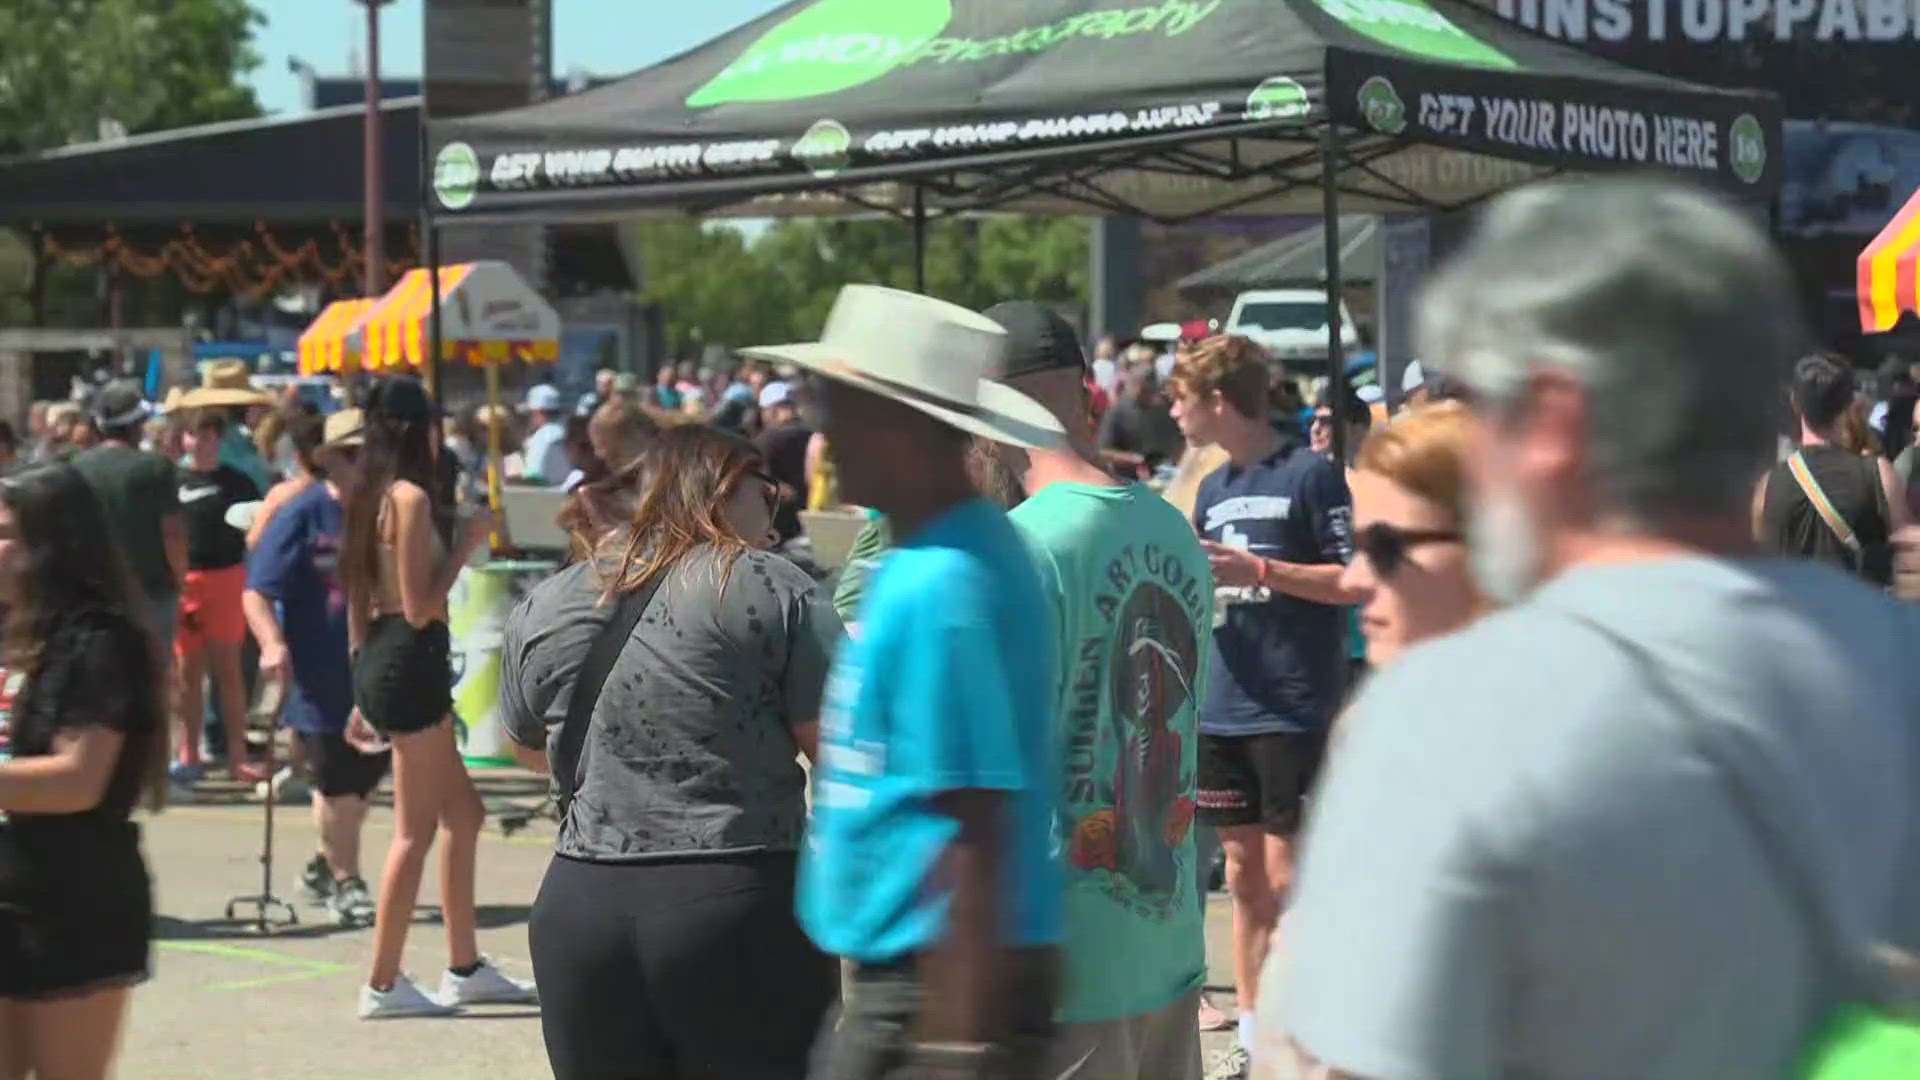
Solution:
(275, 980)
(235, 952)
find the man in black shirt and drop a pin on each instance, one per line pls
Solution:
(1139, 431)
(213, 623)
(783, 446)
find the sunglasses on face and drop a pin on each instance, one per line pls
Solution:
(1386, 546)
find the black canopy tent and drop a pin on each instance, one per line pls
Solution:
(1167, 109)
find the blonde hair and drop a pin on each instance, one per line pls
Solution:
(1423, 451)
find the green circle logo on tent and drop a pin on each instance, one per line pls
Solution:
(1278, 98)
(1413, 26)
(825, 149)
(1380, 103)
(831, 45)
(1747, 148)
(456, 175)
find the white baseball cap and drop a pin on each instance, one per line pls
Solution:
(1413, 378)
(543, 397)
(775, 393)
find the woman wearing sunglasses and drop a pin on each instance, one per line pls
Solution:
(1409, 522)
(664, 935)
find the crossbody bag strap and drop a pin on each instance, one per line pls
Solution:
(1840, 964)
(607, 646)
(1797, 465)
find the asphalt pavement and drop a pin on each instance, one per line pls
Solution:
(230, 1002)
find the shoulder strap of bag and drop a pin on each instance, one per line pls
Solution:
(1797, 464)
(605, 651)
(1840, 963)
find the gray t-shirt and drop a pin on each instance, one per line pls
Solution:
(1521, 866)
(689, 751)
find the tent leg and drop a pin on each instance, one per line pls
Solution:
(920, 241)
(430, 239)
(1330, 154)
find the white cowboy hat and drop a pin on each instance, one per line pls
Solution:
(926, 354)
(225, 382)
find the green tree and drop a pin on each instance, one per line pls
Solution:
(68, 66)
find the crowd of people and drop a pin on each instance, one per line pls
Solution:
(1555, 726)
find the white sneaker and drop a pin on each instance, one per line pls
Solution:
(403, 1000)
(486, 986)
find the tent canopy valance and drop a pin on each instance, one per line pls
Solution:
(1889, 271)
(323, 347)
(1166, 108)
(488, 313)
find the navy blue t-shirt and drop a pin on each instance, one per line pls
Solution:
(297, 563)
(1278, 662)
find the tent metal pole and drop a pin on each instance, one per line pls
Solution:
(920, 240)
(1330, 147)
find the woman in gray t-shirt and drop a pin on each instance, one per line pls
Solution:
(667, 914)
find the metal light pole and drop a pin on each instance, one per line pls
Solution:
(374, 246)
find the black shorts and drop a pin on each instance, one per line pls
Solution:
(403, 677)
(1258, 779)
(338, 769)
(86, 913)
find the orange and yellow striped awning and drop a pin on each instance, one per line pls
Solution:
(323, 347)
(1889, 271)
(488, 316)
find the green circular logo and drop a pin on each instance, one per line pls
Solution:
(1278, 98)
(1747, 148)
(1380, 103)
(456, 175)
(828, 46)
(825, 149)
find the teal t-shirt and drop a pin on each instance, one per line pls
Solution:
(948, 686)
(1133, 609)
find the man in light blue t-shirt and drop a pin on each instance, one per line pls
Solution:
(930, 860)
(1132, 598)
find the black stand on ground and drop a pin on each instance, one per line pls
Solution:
(265, 905)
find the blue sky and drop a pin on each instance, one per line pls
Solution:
(605, 37)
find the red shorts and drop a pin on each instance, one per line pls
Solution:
(210, 610)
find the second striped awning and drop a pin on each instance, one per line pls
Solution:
(488, 314)
(1889, 271)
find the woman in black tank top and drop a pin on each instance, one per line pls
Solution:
(399, 562)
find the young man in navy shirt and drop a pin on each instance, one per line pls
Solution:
(1276, 523)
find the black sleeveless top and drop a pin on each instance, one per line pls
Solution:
(1791, 526)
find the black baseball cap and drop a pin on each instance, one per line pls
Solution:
(400, 398)
(1038, 339)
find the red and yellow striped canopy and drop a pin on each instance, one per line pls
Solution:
(323, 347)
(1889, 271)
(488, 316)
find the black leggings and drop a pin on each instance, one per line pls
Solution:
(676, 970)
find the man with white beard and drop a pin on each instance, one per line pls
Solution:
(1642, 821)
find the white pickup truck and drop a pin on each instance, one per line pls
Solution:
(1292, 324)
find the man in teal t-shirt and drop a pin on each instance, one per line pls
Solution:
(930, 860)
(1132, 597)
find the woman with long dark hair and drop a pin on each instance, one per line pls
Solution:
(399, 560)
(664, 936)
(88, 745)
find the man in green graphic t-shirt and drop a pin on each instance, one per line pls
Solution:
(1132, 598)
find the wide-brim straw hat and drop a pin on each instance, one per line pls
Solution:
(926, 354)
(225, 383)
(171, 403)
(348, 427)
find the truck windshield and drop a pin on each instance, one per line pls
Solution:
(1283, 315)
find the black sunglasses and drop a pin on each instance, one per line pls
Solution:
(1386, 546)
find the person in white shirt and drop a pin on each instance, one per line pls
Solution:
(546, 445)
